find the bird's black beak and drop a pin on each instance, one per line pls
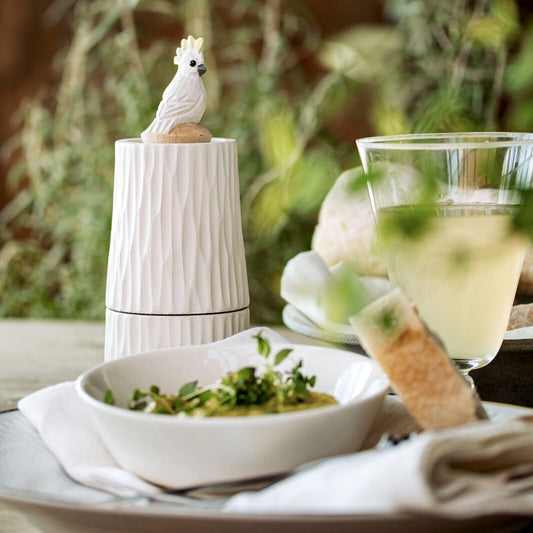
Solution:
(201, 69)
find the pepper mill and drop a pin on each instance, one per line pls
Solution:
(177, 270)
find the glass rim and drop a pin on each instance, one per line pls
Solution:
(445, 141)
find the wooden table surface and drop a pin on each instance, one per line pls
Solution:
(37, 353)
(34, 354)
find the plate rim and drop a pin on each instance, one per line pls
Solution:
(155, 510)
(314, 331)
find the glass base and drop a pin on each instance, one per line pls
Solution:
(466, 365)
(469, 380)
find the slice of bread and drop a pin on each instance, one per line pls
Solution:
(346, 228)
(419, 369)
(521, 316)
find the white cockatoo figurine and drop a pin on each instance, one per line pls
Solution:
(184, 99)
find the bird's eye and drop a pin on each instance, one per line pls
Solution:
(192, 63)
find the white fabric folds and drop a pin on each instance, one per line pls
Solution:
(467, 471)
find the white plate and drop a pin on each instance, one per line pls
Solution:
(32, 482)
(517, 340)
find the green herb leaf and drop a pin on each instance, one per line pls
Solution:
(188, 388)
(246, 373)
(281, 355)
(300, 388)
(164, 406)
(137, 395)
(109, 398)
(263, 346)
(139, 406)
(300, 383)
(205, 396)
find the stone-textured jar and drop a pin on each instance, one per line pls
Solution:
(176, 271)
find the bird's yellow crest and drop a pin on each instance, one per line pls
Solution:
(189, 44)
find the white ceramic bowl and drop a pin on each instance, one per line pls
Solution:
(181, 452)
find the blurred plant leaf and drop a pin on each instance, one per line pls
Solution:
(497, 28)
(363, 53)
(412, 222)
(310, 179)
(444, 110)
(389, 120)
(523, 220)
(346, 295)
(268, 212)
(519, 74)
(359, 180)
(278, 137)
(519, 116)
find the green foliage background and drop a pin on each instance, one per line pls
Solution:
(435, 66)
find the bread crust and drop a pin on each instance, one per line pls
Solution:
(426, 380)
(521, 316)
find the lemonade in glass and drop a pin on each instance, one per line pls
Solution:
(445, 206)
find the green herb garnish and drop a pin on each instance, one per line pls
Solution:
(240, 389)
(109, 398)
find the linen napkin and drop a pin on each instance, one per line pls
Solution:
(64, 425)
(328, 296)
(67, 430)
(462, 472)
